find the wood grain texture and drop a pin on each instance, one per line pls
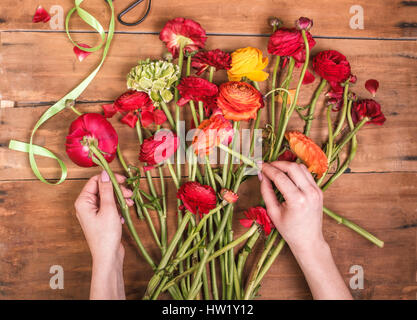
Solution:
(38, 228)
(383, 18)
(33, 72)
(34, 237)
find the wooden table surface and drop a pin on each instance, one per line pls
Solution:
(38, 228)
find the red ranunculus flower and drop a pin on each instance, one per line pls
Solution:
(259, 216)
(211, 132)
(129, 103)
(41, 15)
(197, 198)
(183, 31)
(196, 89)
(289, 43)
(214, 58)
(332, 66)
(368, 108)
(239, 100)
(156, 149)
(90, 128)
(304, 23)
(132, 100)
(288, 155)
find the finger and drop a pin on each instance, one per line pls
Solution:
(120, 178)
(107, 202)
(273, 207)
(284, 184)
(127, 193)
(91, 186)
(295, 172)
(308, 174)
(129, 202)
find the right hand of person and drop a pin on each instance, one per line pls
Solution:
(299, 218)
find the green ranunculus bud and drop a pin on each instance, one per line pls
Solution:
(156, 78)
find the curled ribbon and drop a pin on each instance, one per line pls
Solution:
(32, 149)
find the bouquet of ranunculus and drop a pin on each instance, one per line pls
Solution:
(200, 261)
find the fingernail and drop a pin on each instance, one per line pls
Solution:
(104, 176)
(122, 220)
(260, 176)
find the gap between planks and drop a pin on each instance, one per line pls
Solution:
(218, 34)
(184, 177)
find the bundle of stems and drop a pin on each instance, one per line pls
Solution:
(189, 263)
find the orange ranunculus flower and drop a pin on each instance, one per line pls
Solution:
(211, 132)
(309, 152)
(239, 100)
(248, 62)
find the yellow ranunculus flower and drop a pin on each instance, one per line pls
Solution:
(248, 62)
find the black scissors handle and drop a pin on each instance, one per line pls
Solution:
(133, 5)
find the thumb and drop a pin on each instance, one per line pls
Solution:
(105, 189)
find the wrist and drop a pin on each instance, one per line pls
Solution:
(310, 249)
(109, 261)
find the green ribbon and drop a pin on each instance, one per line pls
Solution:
(32, 149)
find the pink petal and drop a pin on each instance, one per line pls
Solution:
(372, 86)
(81, 54)
(308, 77)
(247, 223)
(146, 118)
(147, 168)
(159, 117)
(41, 15)
(109, 110)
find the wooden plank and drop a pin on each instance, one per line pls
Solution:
(42, 67)
(381, 149)
(31, 76)
(38, 234)
(380, 18)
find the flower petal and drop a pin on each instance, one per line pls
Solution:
(109, 110)
(41, 15)
(308, 78)
(372, 86)
(81, 54)
(247, 223)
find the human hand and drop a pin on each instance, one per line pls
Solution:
(100, 220)
(299, 217)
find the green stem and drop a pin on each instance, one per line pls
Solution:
(329, 150)
(159, 276)
(163, 217)
(172, 172)
(123, 205)
(168, 115)
(283, 115)
(349, 137)
(354, 227)
(193, 113)
(259, 264)
(343, 112)
(211, 73)
(246, 250)
(159, 272)
(216, 254)
(352, 153)
(243, 158)
(274, 254)
(313, 107)
(274, 80)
